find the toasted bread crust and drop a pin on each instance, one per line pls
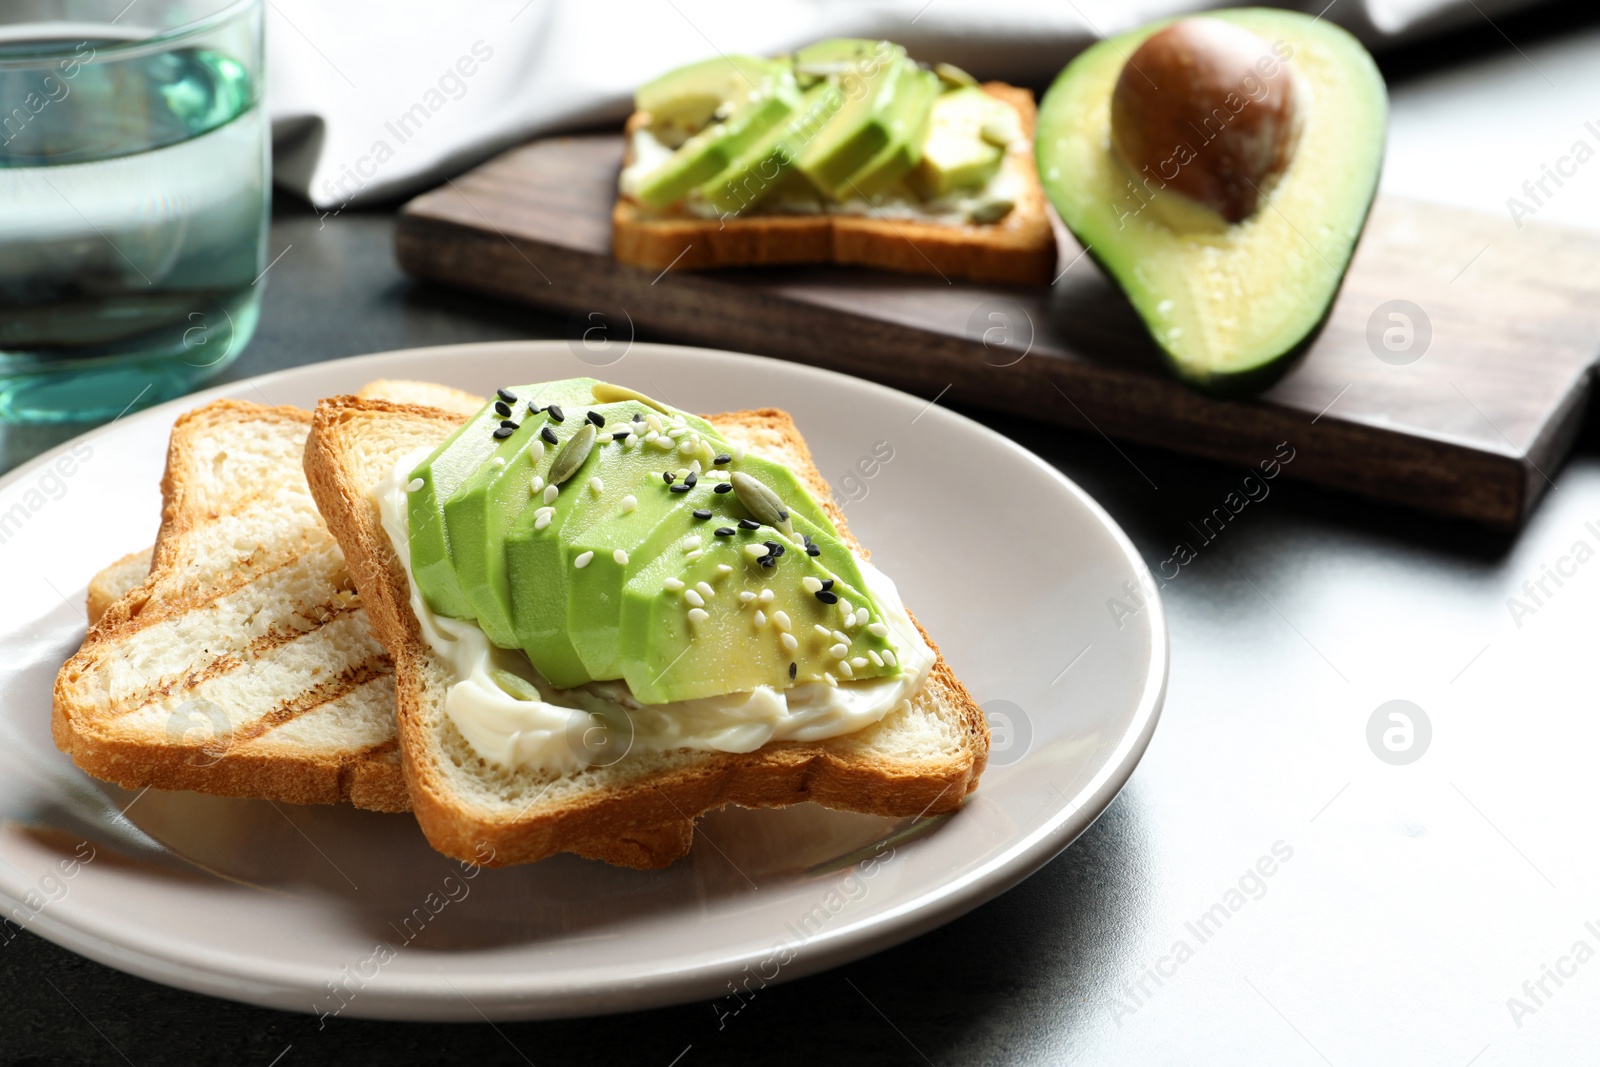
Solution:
(1020, 249)
(837, 772)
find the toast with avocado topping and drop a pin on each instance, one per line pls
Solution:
(234, 657)
(921, 757)
(846, 152)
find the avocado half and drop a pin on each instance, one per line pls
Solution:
(1231, 307)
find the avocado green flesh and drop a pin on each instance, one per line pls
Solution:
(761, 169)
(452, 463)
(710, 151)
(689, 96)
(908, 127)
(668, 657)
(955, 155)
(862, 126)
(1230, 308)
(521, 582)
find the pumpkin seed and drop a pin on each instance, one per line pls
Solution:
(762, 503)
(571, 457)
(606, 393)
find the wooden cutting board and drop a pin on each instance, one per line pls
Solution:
(1506, 321)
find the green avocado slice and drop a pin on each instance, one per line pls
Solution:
(1229, 308)
(462, 455)
(908, 130)
(712, 149)
(668, 655)
(869, 77)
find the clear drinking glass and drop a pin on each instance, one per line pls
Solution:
(134, 163)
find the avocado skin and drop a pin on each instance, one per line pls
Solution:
(1267, 370)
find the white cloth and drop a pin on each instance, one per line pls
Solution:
(373, 99)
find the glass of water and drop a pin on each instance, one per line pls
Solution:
(133, 200)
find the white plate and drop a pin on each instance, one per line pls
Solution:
(1008, 564)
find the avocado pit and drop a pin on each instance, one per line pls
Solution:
(1210, 111)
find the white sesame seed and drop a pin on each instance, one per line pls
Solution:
(755, 551)
(845, 610)
(822, 631)
(738, 452)
(691, 543)
(877, 660)
(651, 436)
(621, 557)
(705, 589)
(761, 617)
(596, 486)
(629, 502)
(863, 616)
(694, 598)
(841, 637)
(536, 451)
(858, 662)
(698, 615)
(550, 493)
(830, 679)
(696, 554)
(845, 669)
(888, 657)
(839, 651)
(766, 596)
(676, 432)
(673, 584)
(877, 629)
(542, 521)
(413, 485)
(780, 619)
(789, 642)
(654, 422)
(695, 466)
(583, 560)
(812, 585)
(723, 568)
(849, 622)
(745, 596)
(497, 462)
(681, 472)
(536, 484)
(543, 510)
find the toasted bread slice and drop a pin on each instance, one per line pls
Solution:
(114, 580)
(1020, 249)
(242, 664)
(919, 760)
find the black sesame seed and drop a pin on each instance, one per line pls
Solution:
(722, 487)
(724, 531)
(556, 413)
(691, 479)
(666, 476)
(502, 409)
(621, 435)
(773, 546)
(548, 434)
(534, 408)
(638, 417)
(813, 550)
(722, 457)
(507, 395)
(507, 424)
(749, 524)
(783, 514)
(501, 433)
(769, 561)
(806, 539)
(794, 669)
(596, 418)
(776, 552)
(679, 488)
(827, 583)
(702, 513)
(827, 597)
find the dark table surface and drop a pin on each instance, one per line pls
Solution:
(1431, 912)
